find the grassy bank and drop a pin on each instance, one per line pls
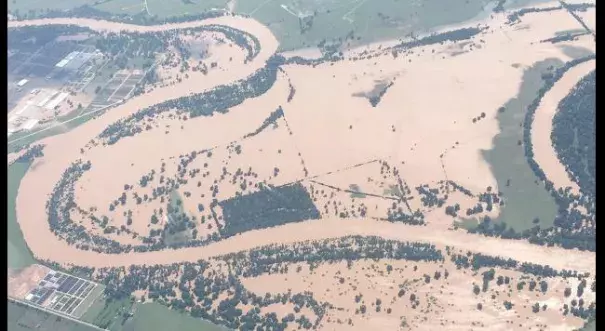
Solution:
(19, 255)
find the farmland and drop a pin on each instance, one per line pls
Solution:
(22, 317)
(296, 24)
(385, 185)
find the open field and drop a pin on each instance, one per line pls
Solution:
(24, 6)
(299, 24)
(18, 255)
(246, 193)
(22, 317)
(110, 315)
(152, 316)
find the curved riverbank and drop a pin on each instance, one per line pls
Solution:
(544, 151)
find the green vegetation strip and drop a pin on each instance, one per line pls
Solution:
(19, 255)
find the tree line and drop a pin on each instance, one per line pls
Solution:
(219, 99)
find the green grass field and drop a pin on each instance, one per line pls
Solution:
(41, 6)
(172, 8)
(369, 20)
(23, 318)
(331, 19)
(128, 7)
(161, 8)
(147, 316)
(109, 315)
(155, 317)
(19, 255)
(525, 196)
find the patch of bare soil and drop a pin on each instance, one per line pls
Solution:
(21, 282)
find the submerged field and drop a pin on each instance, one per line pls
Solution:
(235, 185)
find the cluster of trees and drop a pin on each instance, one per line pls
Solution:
(275, 258)
(60, 206)
(452, 210)
(376, 97)
(243, 39)
(396, 214)
(219, 99)
(430, 196)
(478, 118)
(267, 208)
(574, 133)
(569, 36)
(490, 198)
(182, 229)
(439, 38)
(340, 209)
(329, 53)
(200, 288)
(460, 188)
(143, 42)
(291, 91)
(478, 260)
(133, 44)
(32, 153)
(516, 16)
(271, 119)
